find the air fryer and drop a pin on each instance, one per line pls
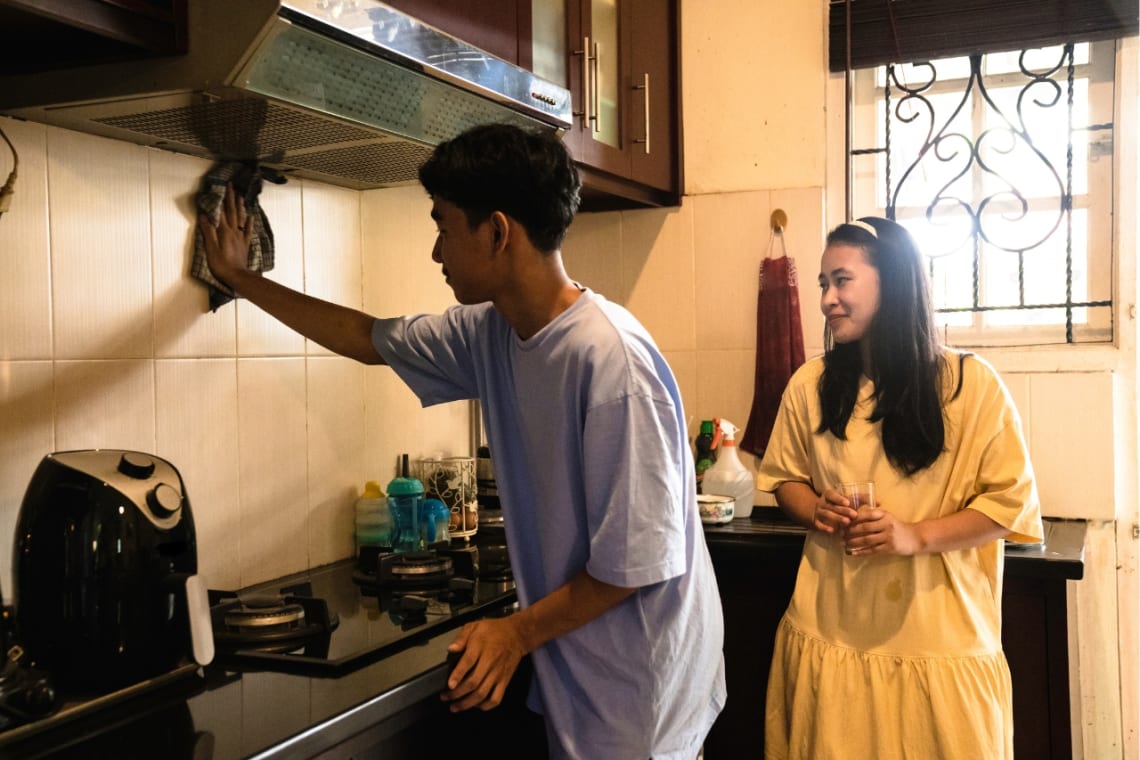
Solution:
(105, 570)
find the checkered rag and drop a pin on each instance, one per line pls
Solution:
(246, 179)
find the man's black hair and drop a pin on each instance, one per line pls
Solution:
(526, 174)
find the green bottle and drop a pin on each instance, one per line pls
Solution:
(706, 455)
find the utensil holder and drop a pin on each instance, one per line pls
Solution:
(452, 481)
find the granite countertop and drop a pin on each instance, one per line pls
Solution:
(1061, 554)
(226, 713)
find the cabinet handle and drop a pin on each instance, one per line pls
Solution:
(586, 102)
(644, 86)
(596, 115)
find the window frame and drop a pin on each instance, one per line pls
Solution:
(1096, 247)
(1118, 356)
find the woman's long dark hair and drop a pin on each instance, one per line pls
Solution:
(907, 363)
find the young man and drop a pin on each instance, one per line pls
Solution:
(619, 606)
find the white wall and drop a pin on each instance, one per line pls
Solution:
(106, 342)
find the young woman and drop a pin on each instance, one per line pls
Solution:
(891, 646)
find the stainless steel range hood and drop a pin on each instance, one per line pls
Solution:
(350, 92)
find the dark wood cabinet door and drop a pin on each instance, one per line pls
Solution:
(654, 116)
(501, 27)
(756, 586)
(598, 39)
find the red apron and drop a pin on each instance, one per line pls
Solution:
(779, 347)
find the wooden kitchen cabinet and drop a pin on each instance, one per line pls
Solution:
(620, 61)
(619, 58)
(501, 27)
(41, 35)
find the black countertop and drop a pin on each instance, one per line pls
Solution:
(230, 711)
(1060, 555)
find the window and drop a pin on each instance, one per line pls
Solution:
(1001, 166)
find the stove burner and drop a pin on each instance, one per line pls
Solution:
(416, 568)
(431, 569)
(283, 622)
(25, 693)
(256, 612)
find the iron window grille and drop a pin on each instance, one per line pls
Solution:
(1000, 166)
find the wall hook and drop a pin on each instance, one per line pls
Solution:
(779, 220)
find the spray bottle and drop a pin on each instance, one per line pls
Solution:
(728, 476)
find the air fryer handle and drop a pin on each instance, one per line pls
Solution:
(198, 613)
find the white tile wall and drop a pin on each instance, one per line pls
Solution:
(196, 403)
(100, 248)
(259, 334)
(26, 431)
(273, 478)
(183, 326)
(1070, 442)
(106, 341)
(25, 288)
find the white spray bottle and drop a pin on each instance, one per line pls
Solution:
(728, 476)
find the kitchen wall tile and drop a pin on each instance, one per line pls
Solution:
(770, 132)
(657, 272)
(25, 288)
(184, 326)
(1018, 386)
(272, 475)
(196, 429)
(396, 244)
(100, 247)
(337, 465)
(1073, 460)
(731, 235)
(401, 278)
(105, 404)
(592, 254)
(26, 401)
(684, 366)
(396, 424)
(725, 380)
(258, 333)
(332, 247)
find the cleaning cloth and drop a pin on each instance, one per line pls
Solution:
(246, 178)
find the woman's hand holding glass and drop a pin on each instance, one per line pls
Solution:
(877, 531)
(833, 512)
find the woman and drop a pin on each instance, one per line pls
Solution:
(891, 646)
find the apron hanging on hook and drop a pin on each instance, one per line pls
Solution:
(779, 337)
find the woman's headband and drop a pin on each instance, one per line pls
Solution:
(865, 226)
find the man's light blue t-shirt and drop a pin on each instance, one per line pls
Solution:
(593, 469)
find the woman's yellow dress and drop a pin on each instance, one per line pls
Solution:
(884, 657)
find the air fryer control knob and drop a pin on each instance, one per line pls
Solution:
(136, 466)
(163, 500)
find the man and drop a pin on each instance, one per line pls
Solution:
(619, 606)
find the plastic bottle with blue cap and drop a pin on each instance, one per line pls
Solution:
(404, 496)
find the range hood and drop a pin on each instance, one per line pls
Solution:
(350, 92)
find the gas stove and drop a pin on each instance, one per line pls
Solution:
(336, 618)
